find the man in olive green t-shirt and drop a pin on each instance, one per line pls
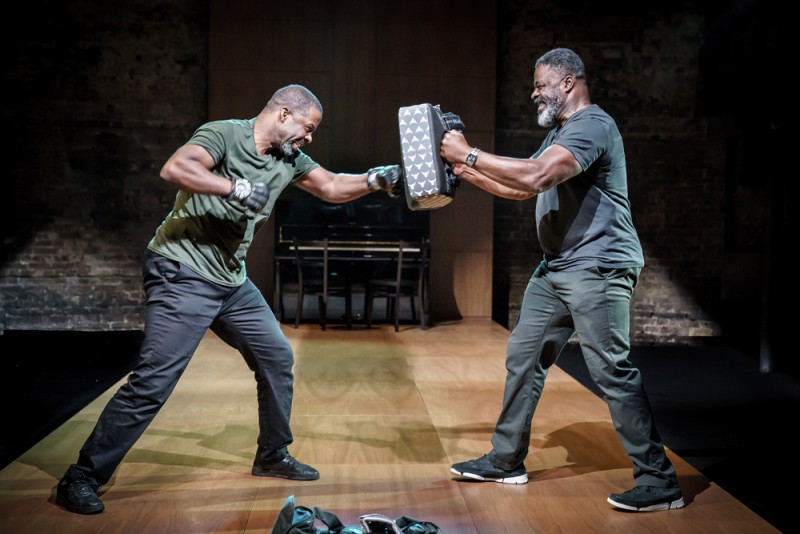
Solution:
(228, 176)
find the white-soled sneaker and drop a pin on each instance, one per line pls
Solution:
(483, 470)
(647, 499)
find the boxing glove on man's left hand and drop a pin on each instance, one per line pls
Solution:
(386, 178)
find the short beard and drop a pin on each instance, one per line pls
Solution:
(547, 117)
(286, 148)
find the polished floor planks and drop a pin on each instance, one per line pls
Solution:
(382, 415)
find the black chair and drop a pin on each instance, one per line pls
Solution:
(409, 280)
(315, 277)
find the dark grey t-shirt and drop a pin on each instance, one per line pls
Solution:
(586, 221)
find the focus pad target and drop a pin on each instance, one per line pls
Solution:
(429, 181)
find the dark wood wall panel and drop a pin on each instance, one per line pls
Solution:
(365, 60)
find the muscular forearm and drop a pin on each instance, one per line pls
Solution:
(531, 176)
(512, 176)
(492, 186)
(343, 187)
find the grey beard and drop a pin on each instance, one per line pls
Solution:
(286, 148)
(547, 118)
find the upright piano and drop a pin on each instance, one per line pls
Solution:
(363, 235)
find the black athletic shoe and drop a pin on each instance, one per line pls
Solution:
(78, 496)
(287, 467)
(483, 470)
(648, 499)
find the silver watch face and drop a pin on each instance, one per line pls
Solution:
(242, 189)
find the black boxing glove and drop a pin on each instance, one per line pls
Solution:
(386, 178)
(248, 194)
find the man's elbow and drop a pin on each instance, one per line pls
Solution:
(541, 183)
(169, 172)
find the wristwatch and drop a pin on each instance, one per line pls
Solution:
(241, 189)
(472, 157)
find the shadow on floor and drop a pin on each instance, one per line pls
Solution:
(712, 405)
(716, 410)
(47, 377)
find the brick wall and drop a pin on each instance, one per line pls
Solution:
(653, 70)
(96, 97)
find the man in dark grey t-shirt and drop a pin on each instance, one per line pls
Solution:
(583, 285)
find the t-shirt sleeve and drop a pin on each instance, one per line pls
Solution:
(586, 137)
(303, 164)
(211, 138)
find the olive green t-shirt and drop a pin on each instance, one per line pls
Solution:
(209, 234)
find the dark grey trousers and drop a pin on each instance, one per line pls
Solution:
(595, 304)
(181, 307)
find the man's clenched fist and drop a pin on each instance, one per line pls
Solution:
(248, 194)
(386, 178)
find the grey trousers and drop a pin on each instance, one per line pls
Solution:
(181, 307)
(595, 304)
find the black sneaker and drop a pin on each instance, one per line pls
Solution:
(648, 499)
(481, 469)
(78, 496)
(287, 467)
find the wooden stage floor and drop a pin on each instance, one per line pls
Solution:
(382, 415)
